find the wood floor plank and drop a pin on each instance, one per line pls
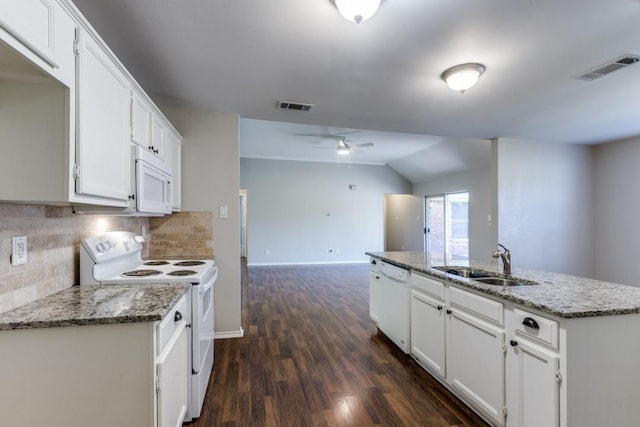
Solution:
(312, 357)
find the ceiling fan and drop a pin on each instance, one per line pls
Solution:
(343, 147)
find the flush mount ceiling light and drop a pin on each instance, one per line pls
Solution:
(463, 76)
(357, 10)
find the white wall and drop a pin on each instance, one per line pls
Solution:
(404, 223)
(300, 210)
(210, 179)
(617, 211)
(545, 205)
(482, 237)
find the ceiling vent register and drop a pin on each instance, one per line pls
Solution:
(297, 106)
(609, 68)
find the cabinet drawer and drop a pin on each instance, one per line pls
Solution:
(168, 325)
(480, 306)
(431, 287)
(534, 326)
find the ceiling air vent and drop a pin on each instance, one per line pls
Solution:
(605, 69)
(298, 106)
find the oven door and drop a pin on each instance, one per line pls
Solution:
(153, 189)
(202, 320)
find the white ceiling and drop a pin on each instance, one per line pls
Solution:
(242, 56)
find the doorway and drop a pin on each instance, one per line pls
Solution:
(243, 223)
(447, 231)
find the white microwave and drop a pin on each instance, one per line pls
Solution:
(153, 183)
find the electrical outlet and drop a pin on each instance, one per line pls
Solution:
(18, 250)
(266, 252)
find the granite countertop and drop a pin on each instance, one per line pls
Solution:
(96, 305)
(558, 294)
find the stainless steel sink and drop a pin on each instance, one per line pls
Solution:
(469, 273)
(499, 281)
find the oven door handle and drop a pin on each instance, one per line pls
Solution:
(207, 284)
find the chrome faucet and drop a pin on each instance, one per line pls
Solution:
(506, 258)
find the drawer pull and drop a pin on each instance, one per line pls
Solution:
(531, 323)
(513, 343)
(449, 311)
(177, 317)
(374, 262)
(439, 308)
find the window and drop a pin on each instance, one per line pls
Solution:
(447, 219)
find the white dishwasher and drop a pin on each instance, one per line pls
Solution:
(395, 299)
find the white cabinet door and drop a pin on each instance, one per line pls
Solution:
(428, 331)
(43, 32)
(174, 158)
(158, 136)
(374, 296)
(32, 22)
(140, 121)
(172, 380)
(103, 125)
(476, 362)
(532, 388)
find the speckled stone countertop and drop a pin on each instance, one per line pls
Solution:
(95, 305)
(558, 294)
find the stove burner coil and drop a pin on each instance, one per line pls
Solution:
(141, 273)
(181, 273)
(188, 263)
(156, 263)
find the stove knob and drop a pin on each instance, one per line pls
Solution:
(100, 247)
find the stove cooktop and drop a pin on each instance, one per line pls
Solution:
(162, 271)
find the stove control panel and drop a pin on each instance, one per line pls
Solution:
(112, 245)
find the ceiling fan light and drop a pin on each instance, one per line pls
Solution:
(357, 10)
(463, 76)
(343, 151)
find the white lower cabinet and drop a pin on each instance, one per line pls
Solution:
(533, 390)
(475, 362)
(126, 374)
(428, 328)
(459, 337)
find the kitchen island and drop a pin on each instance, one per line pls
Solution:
(96, 355)
(559, 351)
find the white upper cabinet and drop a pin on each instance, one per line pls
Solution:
(149, 128)
(158, 136)
(174, 158)
(103, 155)
(39, 29)
(70, 111)
(140, 120)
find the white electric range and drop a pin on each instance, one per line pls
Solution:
(116, 258)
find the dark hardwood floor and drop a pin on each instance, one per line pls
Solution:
(312, 357)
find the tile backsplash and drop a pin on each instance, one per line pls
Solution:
(182, 235)
(53, 247)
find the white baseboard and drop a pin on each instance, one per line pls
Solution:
(228, 334)
(258, 264)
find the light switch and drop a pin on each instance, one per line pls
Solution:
(224, 211)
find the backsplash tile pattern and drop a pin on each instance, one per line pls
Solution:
(53, 247)
(182, 235)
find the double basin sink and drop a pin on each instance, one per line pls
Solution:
(483, 276)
